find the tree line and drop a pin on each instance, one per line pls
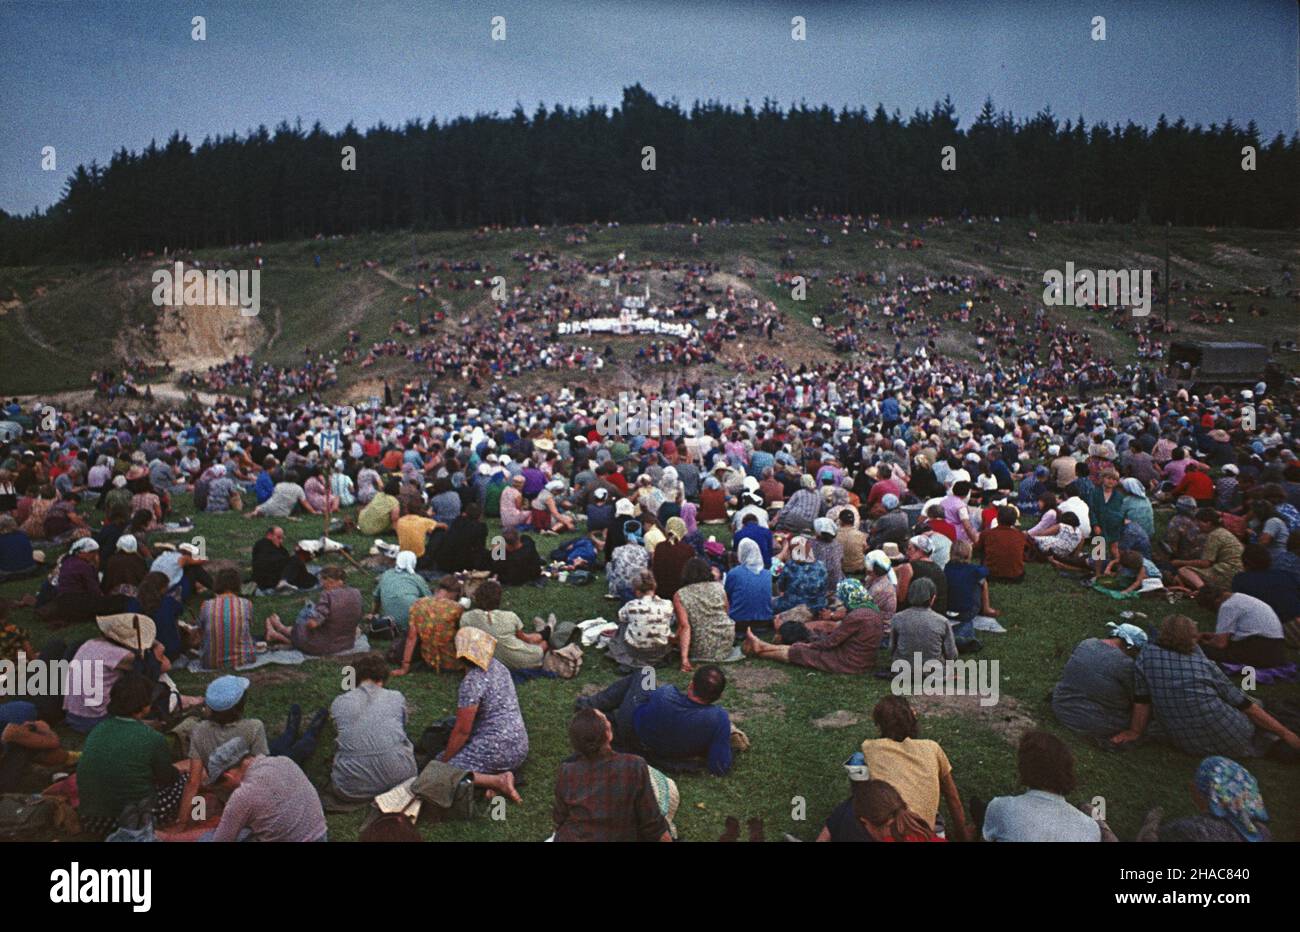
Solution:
(578, 165)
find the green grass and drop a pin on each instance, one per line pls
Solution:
(790, 758)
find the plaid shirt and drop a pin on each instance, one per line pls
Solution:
(606, 799)
(1195, 703)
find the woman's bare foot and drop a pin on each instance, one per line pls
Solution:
(503, 783)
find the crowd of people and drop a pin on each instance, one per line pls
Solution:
(836, 517)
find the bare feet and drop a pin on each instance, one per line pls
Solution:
(503, 783)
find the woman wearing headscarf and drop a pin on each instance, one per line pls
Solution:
(705, 632)
(694, 536)
(1136, 507)
(397, 590)
(670, 558)
(882, 584)
(713, 502)
(1229, 808)
(1095, 694)
(829, 552)
(125, 569)
(489, 735)
(749, 588)
(803, 578)
(627, 562)
(846, 643)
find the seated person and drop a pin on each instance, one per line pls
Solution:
(271, 799)
(803, 578)
(917, 767)
(968, 591)
(274, 567)
(432, 625)
(1041, 813)
(464, 546)
(1003, 547)
(329, 626)
(1246, 630)
(1274, 587)
(644, 627)
(125, 763)
(17, 558)
(516, 648)
(26, 739)
(489, 735)
(846, 645)
(920, 630)
(1199, 709)
(226, 625)
(397, 590)
(373, 754)
(381, 513)
(1094, 696)
(1228, 806)
(601, 794)
(674, 730)
(520, 563)
(748, 586)
(1137, 573)
(875, 811)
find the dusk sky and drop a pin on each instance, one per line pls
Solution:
(90, 77)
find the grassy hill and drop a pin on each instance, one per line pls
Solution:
(59, 323)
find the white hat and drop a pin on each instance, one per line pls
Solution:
(127, 543)
(84, 545)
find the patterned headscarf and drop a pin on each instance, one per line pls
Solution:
(1232, 794)
(675, 529)
(881, 559)
(476, 646)
(688, 517)
(853, 594)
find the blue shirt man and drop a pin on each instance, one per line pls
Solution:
(677, 725)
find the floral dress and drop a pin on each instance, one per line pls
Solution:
(712, 630)
(805, 585)
(435, 621)
(498, 741)
(626, 564)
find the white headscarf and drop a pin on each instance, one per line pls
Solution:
(751, 557)
(878, 558)
(405, 562)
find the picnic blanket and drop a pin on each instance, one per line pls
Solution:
(287, 657)
(1266, 676)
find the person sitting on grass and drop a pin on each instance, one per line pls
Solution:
(803, 578)
(432, 625)
(270, 798)
(381, 514)
(1041, 813)
(881, 814)
(516, 648)
(1094, 696)
(27, 740)
(1228, 805)
(602, 794)
(1003, 547)
(919, 629)
(644, 627)
(968, 591)
(1059, 542)
(396, 591)
(489, 736)
(225, 699)
(675, 731)
(1137, 573)
(373, 753)
(705, 631)
(327, 627)
(1279, 590)
(1246, 630)
(125, 764)
(1220, 558)
(520, 563)
(1200, 711)
(917, 767)
(226, 625)
(845, 642)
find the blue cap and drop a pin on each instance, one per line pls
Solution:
(225, 692)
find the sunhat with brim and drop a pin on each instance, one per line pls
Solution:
(129, 629)
(476, 646)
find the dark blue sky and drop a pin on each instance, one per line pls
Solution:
(90, 77)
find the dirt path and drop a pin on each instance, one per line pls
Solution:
(168, 393)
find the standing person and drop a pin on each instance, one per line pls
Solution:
(601, 794)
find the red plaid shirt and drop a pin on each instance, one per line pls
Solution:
(608, 798)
